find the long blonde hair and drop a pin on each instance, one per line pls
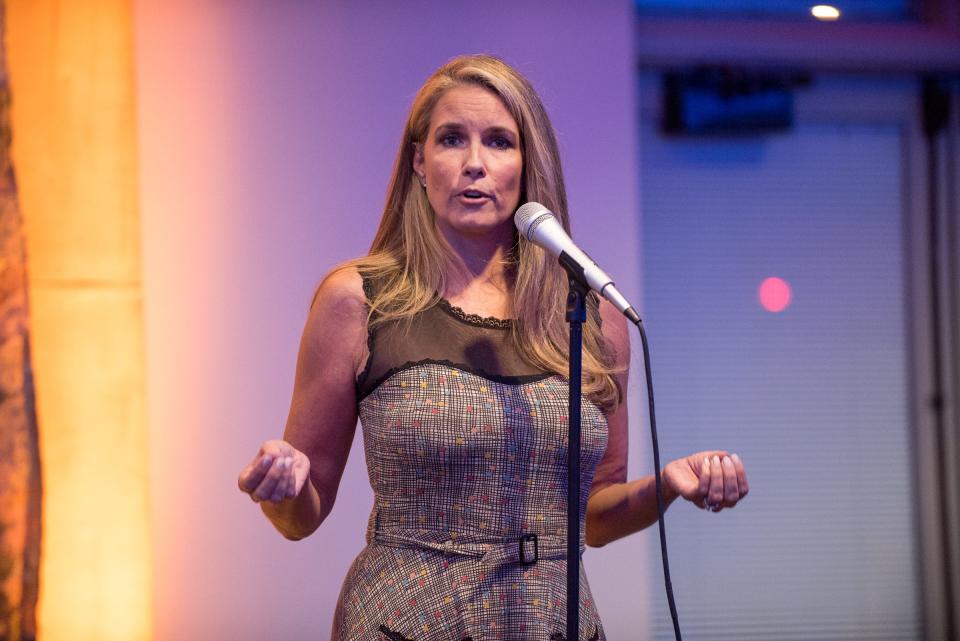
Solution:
(408, 253)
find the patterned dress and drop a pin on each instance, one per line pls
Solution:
(466, 452)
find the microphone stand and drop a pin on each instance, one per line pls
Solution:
(576, 316)
(528, 218)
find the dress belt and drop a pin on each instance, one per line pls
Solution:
(524, 548)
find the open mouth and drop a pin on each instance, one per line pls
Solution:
(473, 194)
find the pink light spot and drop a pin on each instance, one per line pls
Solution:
(774, 294)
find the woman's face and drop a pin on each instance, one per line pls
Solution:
(472, 164)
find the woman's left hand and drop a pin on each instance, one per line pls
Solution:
(711, 480)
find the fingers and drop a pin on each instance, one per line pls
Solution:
(715, 494)
(269, 478)
(252, 475)
(285, 486)
(301, 471)
(723, 482)
(272, 476)
(264, 491)
(288, 492)
(704, 488)
(274, 487)
(741, 475)
(280, 483)
(731, 490)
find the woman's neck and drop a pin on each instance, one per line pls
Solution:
(481, 283)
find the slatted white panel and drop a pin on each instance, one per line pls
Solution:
(814, 399)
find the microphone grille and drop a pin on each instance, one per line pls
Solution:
(528, 213)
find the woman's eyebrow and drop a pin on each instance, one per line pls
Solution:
(498, 129)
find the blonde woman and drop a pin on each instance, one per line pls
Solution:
(448, 341)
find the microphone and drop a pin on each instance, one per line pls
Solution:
(538, 225)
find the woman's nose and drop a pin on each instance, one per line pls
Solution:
(473, 163)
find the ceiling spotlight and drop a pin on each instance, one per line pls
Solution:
(825, 12)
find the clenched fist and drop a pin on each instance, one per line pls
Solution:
(276, 473)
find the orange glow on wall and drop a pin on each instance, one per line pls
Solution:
(75, 159)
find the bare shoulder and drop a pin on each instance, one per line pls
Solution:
(341, 291)
(335, 331)
(615, 332)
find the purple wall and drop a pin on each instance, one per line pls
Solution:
(268, 130)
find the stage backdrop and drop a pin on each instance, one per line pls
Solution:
(267, 133)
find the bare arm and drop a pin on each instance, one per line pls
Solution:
(617, 507)
(322, 418)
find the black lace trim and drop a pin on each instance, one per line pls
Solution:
(492, 322)
(495, 378)
(476, 320)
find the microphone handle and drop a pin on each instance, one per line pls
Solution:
(581, 267)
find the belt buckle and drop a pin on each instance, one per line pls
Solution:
(525, 538)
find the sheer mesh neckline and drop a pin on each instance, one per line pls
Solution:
(476, 320)
(363, 390)
(445, 335)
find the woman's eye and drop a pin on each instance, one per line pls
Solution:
(501, 143)
(450, 140)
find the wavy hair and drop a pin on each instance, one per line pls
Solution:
(408, 255)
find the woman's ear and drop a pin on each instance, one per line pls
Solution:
(418, 167)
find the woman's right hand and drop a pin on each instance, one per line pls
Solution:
(278, 472)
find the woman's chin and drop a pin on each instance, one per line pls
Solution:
(477, 224)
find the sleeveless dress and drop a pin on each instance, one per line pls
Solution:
(466, 450)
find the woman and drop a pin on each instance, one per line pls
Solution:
(449, 342)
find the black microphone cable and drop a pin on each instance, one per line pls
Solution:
(540, 226)
(656, 472)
